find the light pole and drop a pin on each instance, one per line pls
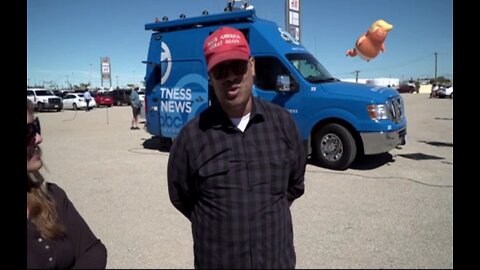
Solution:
(117, 80)
(90, 74)
(134, 75)
(356, 75)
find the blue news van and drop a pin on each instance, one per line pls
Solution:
(338, 121)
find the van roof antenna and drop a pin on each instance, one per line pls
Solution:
(243, 5)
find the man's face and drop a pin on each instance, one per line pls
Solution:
(232, 81)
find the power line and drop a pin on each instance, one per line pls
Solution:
(394, 66)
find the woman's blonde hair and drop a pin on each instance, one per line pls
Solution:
(41, 206)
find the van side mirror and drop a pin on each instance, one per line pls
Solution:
(283, 83)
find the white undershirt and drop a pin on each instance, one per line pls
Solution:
(241, 122)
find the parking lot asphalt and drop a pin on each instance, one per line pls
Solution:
(393, 210)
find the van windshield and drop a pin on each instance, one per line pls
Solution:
(310, 68)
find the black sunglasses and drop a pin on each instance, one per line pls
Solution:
(32, 130)
(222, 70)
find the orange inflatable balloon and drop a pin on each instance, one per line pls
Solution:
(369, 44)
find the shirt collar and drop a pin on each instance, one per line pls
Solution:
(219, 117)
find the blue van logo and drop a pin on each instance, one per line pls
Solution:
(287, 37)
(166, 60)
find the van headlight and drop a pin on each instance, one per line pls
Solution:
(378, 111)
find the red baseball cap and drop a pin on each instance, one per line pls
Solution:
(225, 43)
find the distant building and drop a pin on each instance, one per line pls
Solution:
(392, 82)
(364, 81)
(387, 82)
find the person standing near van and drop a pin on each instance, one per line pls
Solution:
(87, 98)
(136, 107)
(235, 169)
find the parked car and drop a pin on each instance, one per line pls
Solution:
(103, 99)
(141, 94)
(121, 96)
(61, 93)
(76, 101)
(445, 92)
(44, 99)
(407, 88)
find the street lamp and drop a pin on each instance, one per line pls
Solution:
(90, 74)
(68, 83)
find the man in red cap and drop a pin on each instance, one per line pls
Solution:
(235, 169)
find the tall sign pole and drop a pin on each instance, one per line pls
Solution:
(106, 72)
(292, 18)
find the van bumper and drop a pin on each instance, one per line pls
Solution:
(381, 142)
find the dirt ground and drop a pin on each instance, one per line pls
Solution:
(393, 210)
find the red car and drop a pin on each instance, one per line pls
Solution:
(103, 99)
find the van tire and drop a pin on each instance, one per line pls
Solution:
(334, 147)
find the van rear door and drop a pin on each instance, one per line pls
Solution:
(177, 85)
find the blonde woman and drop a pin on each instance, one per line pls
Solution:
(57, 236)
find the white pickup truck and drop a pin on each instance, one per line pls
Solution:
(44, 99)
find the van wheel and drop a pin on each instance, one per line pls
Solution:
(451, 95)
(74, 106)
(334, 147)
(39, 106)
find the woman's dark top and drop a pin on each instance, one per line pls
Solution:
(79, 248)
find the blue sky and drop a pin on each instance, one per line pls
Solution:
(66, 39)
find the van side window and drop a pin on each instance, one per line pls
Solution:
(267, 68)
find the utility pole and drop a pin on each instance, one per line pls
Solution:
(90, 74)
(133, 75)
(436, 54)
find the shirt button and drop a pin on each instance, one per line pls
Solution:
(50, 259)
(47, 246)
(40, 239)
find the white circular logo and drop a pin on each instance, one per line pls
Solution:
(287, 37)
(166, 60)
